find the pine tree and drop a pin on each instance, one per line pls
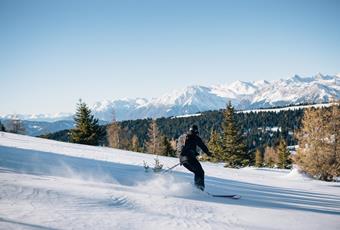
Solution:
(117, 136)
(134, 144)
(233, 148)
(114, 135)
(87, 130)
(318, 152)
(173, 143)
(215, 146)
(270, 158)
(153, 144)
(166, 148)
(2, 127)
(333, 145)
(283, 155)
(258, 158)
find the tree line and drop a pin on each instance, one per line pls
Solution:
(227, 141)
(259, 129)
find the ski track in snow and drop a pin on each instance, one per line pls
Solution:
(50, 185)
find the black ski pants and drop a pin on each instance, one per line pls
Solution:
(193, 165)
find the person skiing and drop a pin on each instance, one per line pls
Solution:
(188, 155)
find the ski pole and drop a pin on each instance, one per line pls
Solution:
(169, 169)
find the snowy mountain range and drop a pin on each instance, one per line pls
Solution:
(192, 99)
(244, 95)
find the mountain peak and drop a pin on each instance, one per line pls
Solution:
(297, 77)
(194, 88)
(261, 83)
(241, 87)
(319, 76)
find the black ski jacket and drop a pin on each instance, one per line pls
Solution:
(191, 143)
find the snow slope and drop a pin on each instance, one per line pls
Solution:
(46, 184)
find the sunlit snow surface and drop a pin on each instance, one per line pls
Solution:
(51, 185)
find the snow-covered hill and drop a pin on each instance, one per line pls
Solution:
(46, 184)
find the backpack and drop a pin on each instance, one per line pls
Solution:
(181, 144)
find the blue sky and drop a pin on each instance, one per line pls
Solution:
(54, 52)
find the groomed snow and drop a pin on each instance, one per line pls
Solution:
(46, 184)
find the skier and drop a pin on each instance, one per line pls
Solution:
(189, 153)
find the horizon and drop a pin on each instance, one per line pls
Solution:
(53, 53)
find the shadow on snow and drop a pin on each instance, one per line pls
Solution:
(253, 195)
(26, 225)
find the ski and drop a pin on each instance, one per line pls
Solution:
(234, 196)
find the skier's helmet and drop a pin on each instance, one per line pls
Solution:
(194, 129)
